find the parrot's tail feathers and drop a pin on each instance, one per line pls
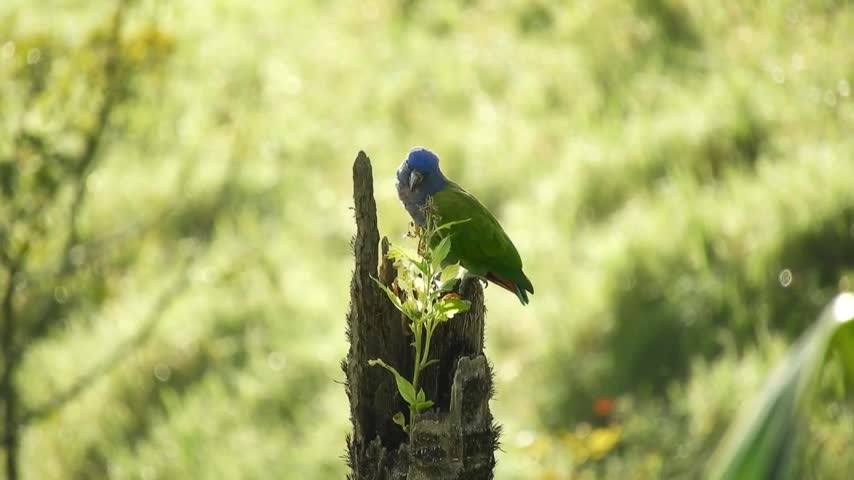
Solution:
(526, 284)
(508, 285)
(523, 295)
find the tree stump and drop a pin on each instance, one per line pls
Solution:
(457, 438)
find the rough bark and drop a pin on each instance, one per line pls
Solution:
(456, 439)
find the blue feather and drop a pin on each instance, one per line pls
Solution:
(426, 163)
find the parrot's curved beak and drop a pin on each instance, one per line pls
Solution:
(415, 178)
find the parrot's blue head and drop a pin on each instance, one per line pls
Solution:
(418, 177)
(422, 160)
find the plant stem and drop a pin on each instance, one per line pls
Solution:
(426, 357)
(417, 367)
(425, 322)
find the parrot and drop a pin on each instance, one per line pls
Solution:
(478, 243)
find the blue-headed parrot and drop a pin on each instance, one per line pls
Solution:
(478, 243)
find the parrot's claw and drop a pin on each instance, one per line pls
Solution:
(464, 283)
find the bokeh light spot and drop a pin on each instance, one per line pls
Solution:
(162, 372)
(60, 294)
(33, 56)
(276, 361)
(786, 277)
(7, 50)
(843, 307)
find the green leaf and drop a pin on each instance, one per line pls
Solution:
(440, 253)
(399, 419)
(843, 345)
(419, 286)
(429, 362)
(450, 224)
(448, 286)
(403, 281)
(421, 406)
(407, 391)
(410, 308)
(406, 260)
(448, 307)
(449, 276)
(390, 294)
(421, 396)
(402, 255)
(759, 443)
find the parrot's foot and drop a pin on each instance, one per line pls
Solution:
(466, 282)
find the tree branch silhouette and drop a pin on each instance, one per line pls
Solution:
(179, 286)
(11, 438)
(83, 167)
(119, 354)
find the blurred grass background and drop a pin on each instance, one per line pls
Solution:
(677, 175)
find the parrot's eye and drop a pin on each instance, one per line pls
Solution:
(415, 178)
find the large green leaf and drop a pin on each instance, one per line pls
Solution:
(440, 253)
(759, 444)
(450, 306)
(407, 391)
(449, 276)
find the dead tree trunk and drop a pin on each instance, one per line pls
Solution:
(457, 439)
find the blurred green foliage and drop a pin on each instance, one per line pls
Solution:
(676, 175)
(762, 442)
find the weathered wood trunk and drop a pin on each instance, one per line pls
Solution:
(454, 440)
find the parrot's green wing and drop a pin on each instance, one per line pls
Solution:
(479, 243)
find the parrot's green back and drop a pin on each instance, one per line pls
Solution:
(479, 243)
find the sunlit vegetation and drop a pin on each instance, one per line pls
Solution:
(677, 176)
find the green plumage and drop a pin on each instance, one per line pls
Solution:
(480, 244)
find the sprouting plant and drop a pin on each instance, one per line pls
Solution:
(424, 299)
